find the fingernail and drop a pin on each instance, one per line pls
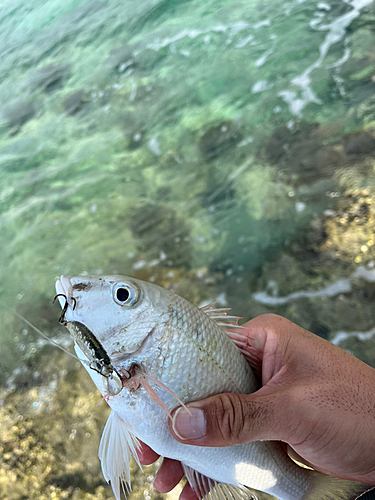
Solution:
(189, 424)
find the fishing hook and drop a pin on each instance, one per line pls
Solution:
(62, 320)
(98, 366)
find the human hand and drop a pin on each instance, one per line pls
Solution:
(169, 474)
(315, 397)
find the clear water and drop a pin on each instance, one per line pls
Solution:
(223, 149)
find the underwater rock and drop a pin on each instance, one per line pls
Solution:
(25, 154)
(307, 243)
(147, 59)
(134, 130)
(49, 438)
(365, 20)
(160, 231)
(359, 143)
(122, 58)
(18, 113)
(315, 152)
(277, 145)
(366, 112)
(74, 102)
(217, 139)
(50, 77)
(307, 274)
(302, 152)
(337, 9)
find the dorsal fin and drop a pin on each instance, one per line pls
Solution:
(117, 446)
(220, 316)
(206, 488)
(242, 340)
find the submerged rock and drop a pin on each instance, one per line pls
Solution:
(359, 143)
(320, 290)
(161, 232)
(19, 113)
(304, 153)
(75, 102)
(121, 58)
(49, 438)
(217, 139)
(25, 154)
(50, 77)
(314, 152)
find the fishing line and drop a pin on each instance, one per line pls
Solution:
(43, 334)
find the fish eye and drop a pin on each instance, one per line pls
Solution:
(125, 294)
(122, 294)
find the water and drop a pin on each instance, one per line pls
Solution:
(224, 150)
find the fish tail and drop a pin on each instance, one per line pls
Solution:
(332, 488)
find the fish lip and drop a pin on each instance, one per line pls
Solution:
(64, 286)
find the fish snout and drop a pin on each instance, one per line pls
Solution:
(63, 286)
(64, 293)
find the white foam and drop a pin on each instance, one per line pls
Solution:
(234, 28)
(341, 336)
(244, 42)
(154, 146)
(343, 285)
(262, 24)
(259, 62)
(261, 86)
(336, 32)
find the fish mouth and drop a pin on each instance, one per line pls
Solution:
(64, 291)
(85, 340)
(63, 286)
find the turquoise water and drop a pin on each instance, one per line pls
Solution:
(223, 149)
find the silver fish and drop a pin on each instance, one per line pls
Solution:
(149, 350)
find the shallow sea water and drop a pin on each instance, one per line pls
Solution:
(222, 149)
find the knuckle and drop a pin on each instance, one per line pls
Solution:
(230, 418)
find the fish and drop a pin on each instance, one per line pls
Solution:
(149, 351)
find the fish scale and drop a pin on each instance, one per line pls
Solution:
(209, 350)
(166, 342)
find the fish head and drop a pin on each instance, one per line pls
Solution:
(111, 317)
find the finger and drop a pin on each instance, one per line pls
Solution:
(146, 455)
(187, 493)
(168, 476)
(230, 419)
(276, 339)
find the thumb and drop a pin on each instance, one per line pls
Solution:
(229, 419)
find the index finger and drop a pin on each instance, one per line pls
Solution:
(146, 455)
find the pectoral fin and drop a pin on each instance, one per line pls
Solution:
(117, 446)
(207, 488)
